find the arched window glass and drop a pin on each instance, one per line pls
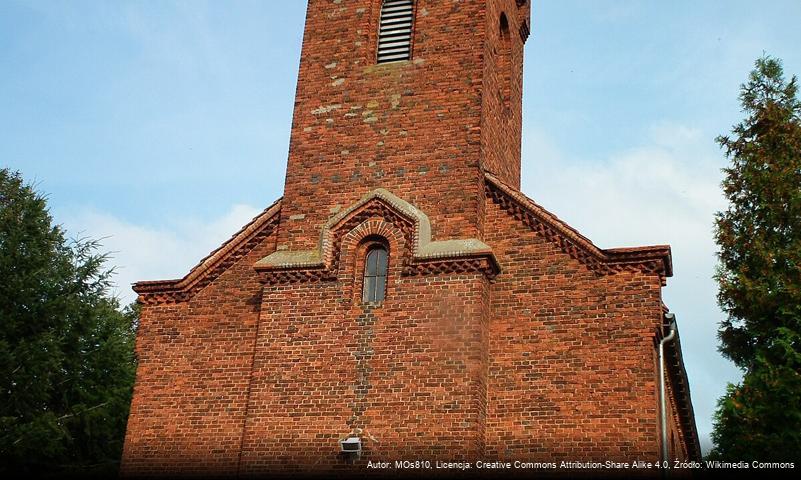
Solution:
(375, 274)
(395, 30)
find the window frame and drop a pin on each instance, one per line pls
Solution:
(379, 274)
(377, 45)
(503, 62)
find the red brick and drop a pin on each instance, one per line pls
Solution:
(533, 345)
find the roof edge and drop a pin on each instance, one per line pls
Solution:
(424, 253)
(213, 259)
(678, 374)
(610, 256)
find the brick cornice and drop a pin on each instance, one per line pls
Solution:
(681, 387)
(651, 259)
(219, 260)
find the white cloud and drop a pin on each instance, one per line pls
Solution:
(141, 252)
(664, 191)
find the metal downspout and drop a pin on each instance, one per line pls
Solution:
(671, 318)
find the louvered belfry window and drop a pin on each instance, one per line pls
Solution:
(395, 30)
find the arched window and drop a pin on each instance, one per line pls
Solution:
(504, 62)
(395, 30)
(375, 274)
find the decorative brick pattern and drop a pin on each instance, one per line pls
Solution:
(654, 259)
(378, 214)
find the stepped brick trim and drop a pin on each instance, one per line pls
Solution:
(484, 265)
(215, 263)
(420, 255)
(524, 31)
(650, 259)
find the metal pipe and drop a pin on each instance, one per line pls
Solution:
(662, 400)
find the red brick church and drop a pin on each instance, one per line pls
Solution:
(404, 300)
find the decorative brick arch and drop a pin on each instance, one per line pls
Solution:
(381, 214)
(379, 211)
(396, 240)
(353, 250)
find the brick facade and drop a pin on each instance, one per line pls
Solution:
(504, 334)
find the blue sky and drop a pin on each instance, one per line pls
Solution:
(163, 126)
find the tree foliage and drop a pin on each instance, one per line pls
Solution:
(759, 273)
(66, 350)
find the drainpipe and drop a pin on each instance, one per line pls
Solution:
(671, 319)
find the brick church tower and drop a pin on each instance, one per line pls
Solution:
(403, 293)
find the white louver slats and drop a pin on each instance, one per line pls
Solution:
(395, 30)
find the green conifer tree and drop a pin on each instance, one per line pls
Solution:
(66, 351)
(759, 273)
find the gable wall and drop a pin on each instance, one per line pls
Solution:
(550, 361)
(192, 380)
(572, 371)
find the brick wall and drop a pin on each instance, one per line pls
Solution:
(502, 94)
(403, 375)
(571, 353)
(195, 360)
(419, 128)
(551, 359)
(248, 371)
